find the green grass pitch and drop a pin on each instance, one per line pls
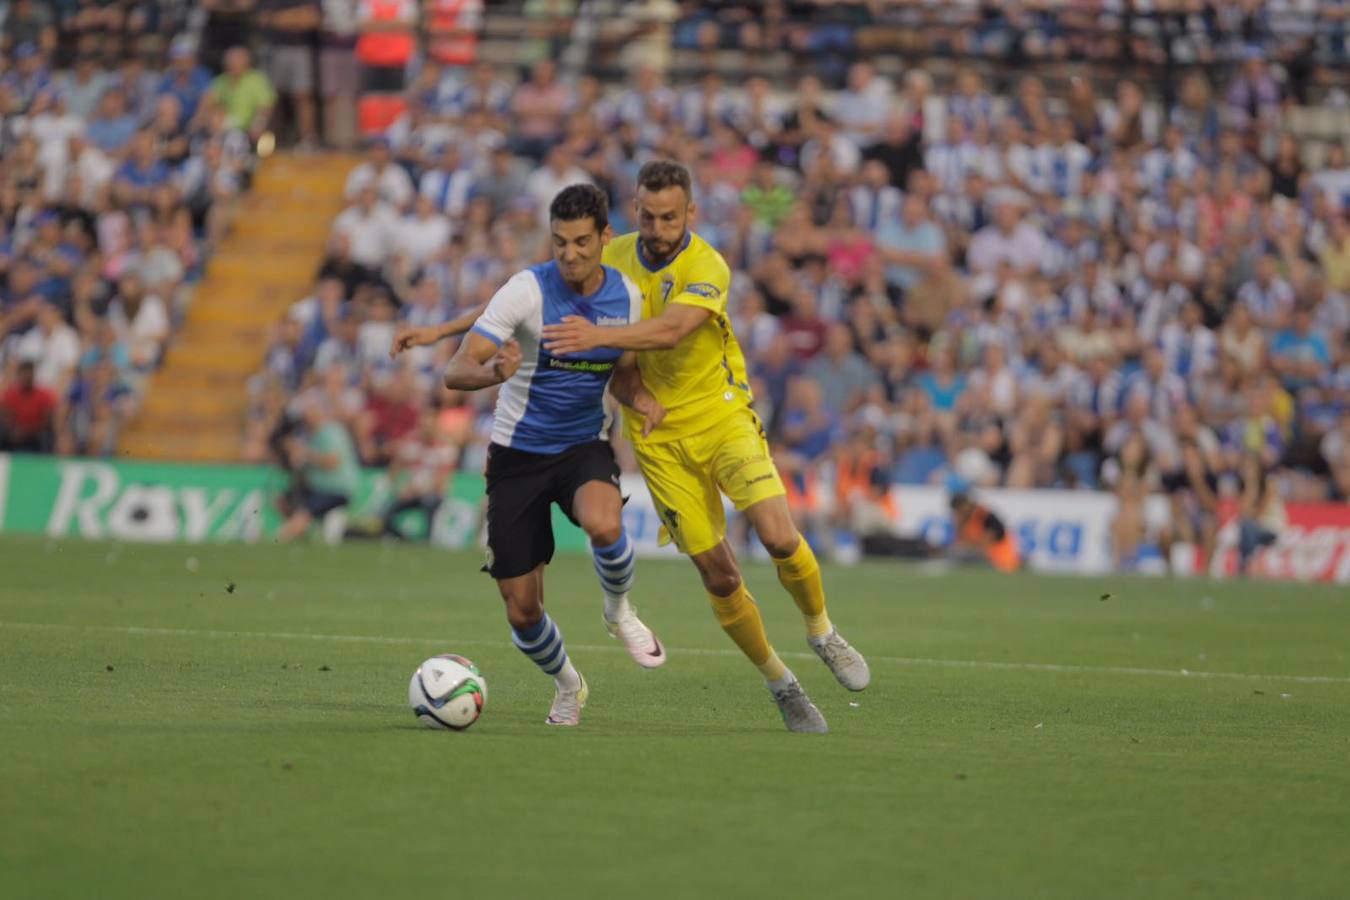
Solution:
(230, 721)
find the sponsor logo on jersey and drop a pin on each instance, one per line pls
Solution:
(580, 365)
(611, 320)
(704, 289)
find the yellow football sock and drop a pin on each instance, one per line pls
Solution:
(800, 574)
(740, 619)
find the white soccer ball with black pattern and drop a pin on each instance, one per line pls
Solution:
(447, 691)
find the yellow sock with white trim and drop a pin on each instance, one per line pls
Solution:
(800, 574)
(740, 619)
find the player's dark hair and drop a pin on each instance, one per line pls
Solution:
(581, 201)
(660, 174)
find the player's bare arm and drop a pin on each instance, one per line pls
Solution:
(408, 337)
(626, 386)
(479, 363)
(576, 335)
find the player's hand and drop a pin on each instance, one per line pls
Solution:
(406, 338)
(574, 334)
(653, 413)
(507, 360)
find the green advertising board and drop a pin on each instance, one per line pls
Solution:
(151, 501)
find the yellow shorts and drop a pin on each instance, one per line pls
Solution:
(688, 476)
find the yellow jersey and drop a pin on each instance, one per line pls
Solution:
(702, 379)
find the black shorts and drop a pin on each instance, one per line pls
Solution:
(521, 486)
(321, 503)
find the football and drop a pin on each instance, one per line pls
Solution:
(447, 691)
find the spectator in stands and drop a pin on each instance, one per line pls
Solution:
(1253, 97)
(27, 410)
(559, 171)
(291, 29)
(843, 375)
(141, 176)
(390, 416)
(538, 106)
(810, 427)
(391, 181)
(365, 229)
(32, 24)
(52, 346)
(185, 80)
(329, 472)
(338, 77)
(141, 320)
(864, 105)
(912, 246)
(420, 470)
(99, 403)
(1298, 354)
(112, 125)
(244, 93)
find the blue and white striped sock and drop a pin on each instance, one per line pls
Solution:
(616, 565)
(543, 644)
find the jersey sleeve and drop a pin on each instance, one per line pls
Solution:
(706, 283)
(514, 303)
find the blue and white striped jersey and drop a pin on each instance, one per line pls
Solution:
(553, 403)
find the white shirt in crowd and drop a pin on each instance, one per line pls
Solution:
(1189, 259)
(144, 332)
(93, 168)
(368, 233)
(54, 355)
(373, 340)
(545, 183)
(1025, 247)
(863, 112)
(419, 239)
(392, 183)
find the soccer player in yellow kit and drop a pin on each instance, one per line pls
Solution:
(711, 442)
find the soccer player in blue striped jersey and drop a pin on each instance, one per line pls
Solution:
(550, 437)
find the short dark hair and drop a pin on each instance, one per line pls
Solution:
(660, 174)
(580, 201)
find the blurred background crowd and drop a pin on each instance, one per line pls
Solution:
(1095, 245)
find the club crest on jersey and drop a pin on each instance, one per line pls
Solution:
(667, 285)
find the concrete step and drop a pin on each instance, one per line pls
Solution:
(251, 333)
(259, 269)
(180, 447)
(195, 405)
(230, 359)
(170, 400)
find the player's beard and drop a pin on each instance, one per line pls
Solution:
(658, 250)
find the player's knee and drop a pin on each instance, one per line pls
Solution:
(721, 582)
(524, 617)
(780, 539)
(604, 531)
(522, 611)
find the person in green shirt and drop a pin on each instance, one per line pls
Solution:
(246, 94)
(328, 472)
(767, 199)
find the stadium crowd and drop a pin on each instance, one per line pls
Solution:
(121, 158)
(1029, 288)
(1028, 285)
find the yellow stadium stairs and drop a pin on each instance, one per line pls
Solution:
(194, 405)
